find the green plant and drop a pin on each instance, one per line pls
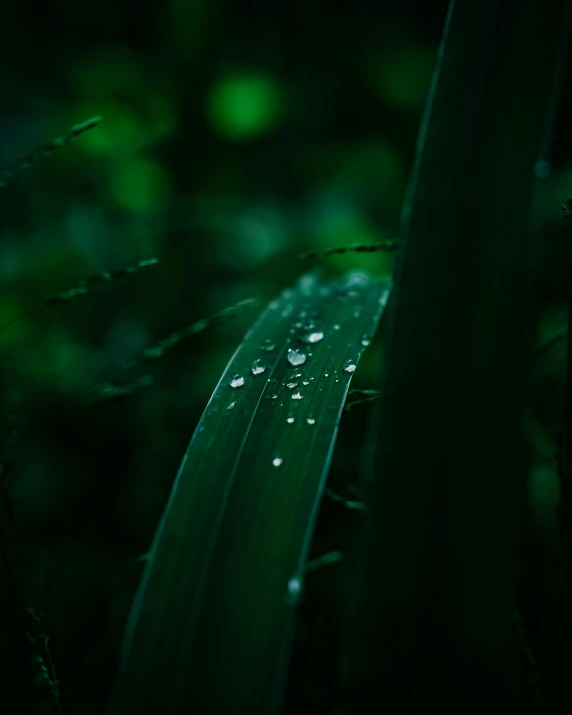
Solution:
(438, 615)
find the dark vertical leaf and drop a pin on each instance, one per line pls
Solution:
(435, 623)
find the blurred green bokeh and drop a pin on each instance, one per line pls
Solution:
(241, 106)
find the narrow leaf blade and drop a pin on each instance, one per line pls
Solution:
(210, 629)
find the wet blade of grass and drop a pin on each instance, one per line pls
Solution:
(211, 624)
(444, 510)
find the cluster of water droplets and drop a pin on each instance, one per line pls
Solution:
(297, 357)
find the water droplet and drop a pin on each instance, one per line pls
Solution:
(294, 587)
(232, 404)
(312, 337)
(305, 382)
(290, 420)
(349, 366)
(326, 374)
(295, 357)
(237, 381)
(351, 281)
(277, 461)
(311, 421)
(365, 340)
(292, 385)
(258, 367)
(267, 345)
(336, 327)
(297, 396)
(274, 397)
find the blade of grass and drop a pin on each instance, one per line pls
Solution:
(444, 510)
(84, 286)
(211, 626)
(47, 150)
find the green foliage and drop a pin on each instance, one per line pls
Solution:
(228, 579)
(309, 158)
(440, 554)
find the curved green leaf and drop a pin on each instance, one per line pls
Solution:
(210, 629)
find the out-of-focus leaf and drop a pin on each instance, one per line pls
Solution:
(446, 493)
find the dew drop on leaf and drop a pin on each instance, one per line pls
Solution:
(292, 385)
(312, 337)
(365, 340)
(336, 327)
(290, 420)
(297, 396)
(237, 381)
(258, 367)
(311, 421)
(277, 461)
(232, 404)
(349, 366)
(294, 586)
(296, 357)
(267, 345)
